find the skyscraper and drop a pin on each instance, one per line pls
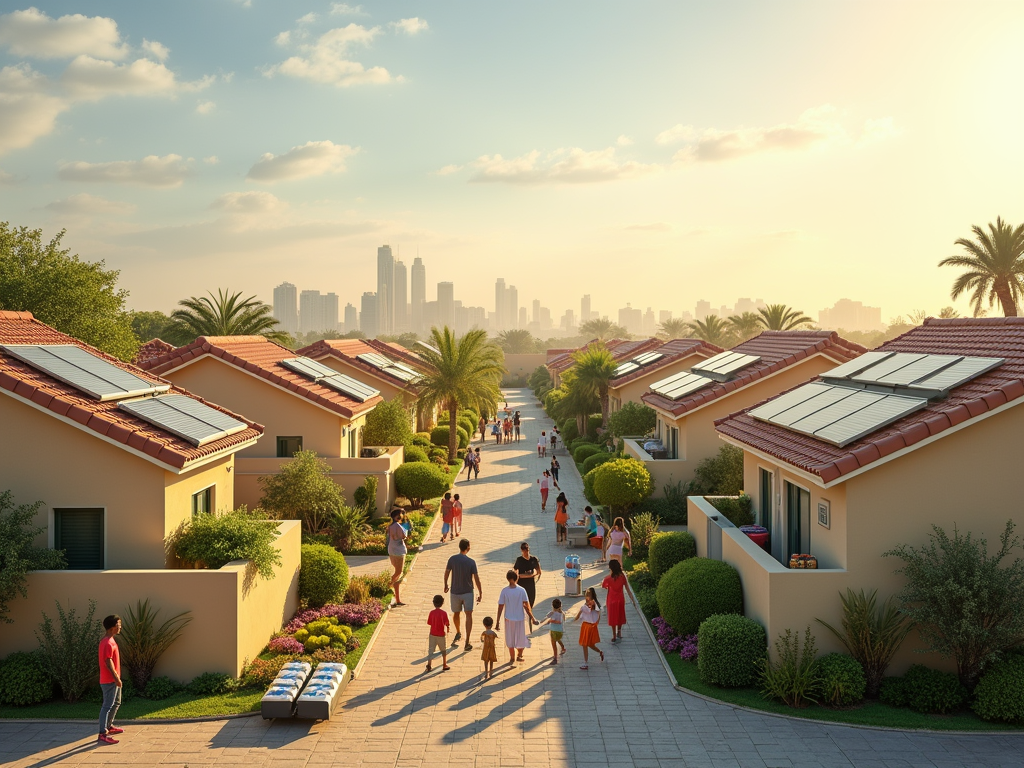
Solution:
(419, 295)
(329, 312)
(286, 307)
(385, 290)
(512, 308)
(631, 319)
(500, 306)
(536, 311)
(446, 305)
(523, 320)
(702, 310)
(310, 311)
(401, 298)
(368, 315)
(351, 318)
(585, 308)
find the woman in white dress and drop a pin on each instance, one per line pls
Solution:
(515, 604)
(617, 538)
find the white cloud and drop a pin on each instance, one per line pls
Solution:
(211, 160)
(314, 158)
(28, 110)
(158, 51)
(7, 178)
(284, 39)
(84, 204)
(449, 169)
(34, 34)
(344, 9)
(878, 129)
(151, 171)
(90, 79)
(567, 166)
(205, 107)
(309, 18)
(676, 134)
(624, 140)
(327, 60)
(412, 26)
(249, 203)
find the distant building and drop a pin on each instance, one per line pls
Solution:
(702, 310)
(310, 311)
(664, 315)
(851, 316)
(568, 322)
(351, 319)
(385, 290)
(369, 315)
(748, 305)
(512, 307)
(650, 324)
(418, 296)
(631, 319)
(401, 298)
(286, 307)
(500, 305)
(536, 311)
(585, 309)
(522, 317)
(446, 305)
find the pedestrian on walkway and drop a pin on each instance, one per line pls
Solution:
(618, 537)
(555, 466)
(515, 604)
(527, 568)
(590, 636)
(555, 620)
(456, 516)
(496, 432)
(110, 679)
(462, 569)
(545, 488)
(397, 551)
(561, 518)
(438, 621)
(490, 653)
(615, 602)
(482, 426)
(554, 440)
(476, 464)
(515, 425)
(467, 463)
(447, 513)
(542, 445)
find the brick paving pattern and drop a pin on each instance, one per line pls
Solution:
(623, 713)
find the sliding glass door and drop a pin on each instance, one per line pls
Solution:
(798, 521)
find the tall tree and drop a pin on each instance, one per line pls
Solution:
(79, 298)
(517, 342)
(594, 368)
(674, 328)
(18, 553)
(149, 325)
(226, 314)
(745, 326)
(994, 264)
(602, 328)
(463, 372)
(713, 330)
(779, 317)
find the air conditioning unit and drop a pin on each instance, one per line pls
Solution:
(370, 453)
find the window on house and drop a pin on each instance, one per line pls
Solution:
(798, 521)
(673, 443)
(202, 502)
(353, 442)
(765, 500)
(288, 446)
(79, 532)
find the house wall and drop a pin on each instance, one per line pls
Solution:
(233, 616)
(282, 413)
(631, 391)
(522, 365)
(45, 459)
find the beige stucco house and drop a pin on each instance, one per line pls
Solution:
(561, 360)
(119, 459)
(303, 405)
(688, 403)
(635, 374)
(925, 429)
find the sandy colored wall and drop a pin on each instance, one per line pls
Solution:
(522, 365)
(179, 489)
(281, 413)
(231, 619)
(631, 391)
(663, 471)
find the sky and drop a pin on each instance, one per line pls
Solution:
(653, 153)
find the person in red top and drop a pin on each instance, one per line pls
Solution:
(438, 621)
(447, 517)
(110, 679)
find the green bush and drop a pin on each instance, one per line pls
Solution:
(68, 651)
(421, 439)
(414, 453)
(439, 436)
(569, 431)
(584, 452)
(697, 588)
(378, 585)
(640, 578)
(648, 602)
(841, 679)
(730, 650)
(632, 420)
(667, 549)
(739, 510)
(144, 639)
(1000, 692)
(323, 576)
(213, 541)
(721, 475)
(622, 483)
(18, 552)
(388, 424)
(160, 688)
(597, 460)
(420, 481)
(468, 425)
(588, 486)
(642, 530)
(792, 678)
(212, 684)
(924, 690)
(572, 446)
(593, 424)
(302, 489)
(551, 401)
(670, 512)
(24, 680)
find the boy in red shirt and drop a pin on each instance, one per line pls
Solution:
(110, 679)
(447, 517)
(438, 621)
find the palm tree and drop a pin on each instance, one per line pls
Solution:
(594, 368)
(745, 326)
(948, 313)
(517, 342)
(226, 314)
(779, 317)
(579, 401)
(713, 330)
(464, 372)
(674, 328)
(994, 264)
(603, 329)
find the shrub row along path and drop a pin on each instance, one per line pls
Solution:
(621, 713)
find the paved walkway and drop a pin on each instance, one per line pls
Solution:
(623, 713)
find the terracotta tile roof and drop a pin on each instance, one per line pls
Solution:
(348, 349)
(621, 349)
(673, 350)
(104, 418)
(777, 350)
(983, 337)
(152, 349)
(261, 357)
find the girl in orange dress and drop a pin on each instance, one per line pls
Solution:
(590, 636)
(561, 518)
(489, 654)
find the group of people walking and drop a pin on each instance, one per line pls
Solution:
(503, 430)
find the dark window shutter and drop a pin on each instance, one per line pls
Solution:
(79, 532)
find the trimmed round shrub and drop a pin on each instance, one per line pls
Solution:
(622, 483)
(667, 549)
(588, 486)
(569, 431)
(671, 512)
(422, 439)
(730, 649)
(211, 684)
(439, 436)
(414, 453)
(323, 576)
(160, 688)
(647, 599)
(841, 679)
(640, 577)
(468, 424)
(1000, 692)
(418, 481)
(924, 690)
(695, 589)
(584, 452)
(593, 424)
(572, 446)
(593, 462)
(24, 680)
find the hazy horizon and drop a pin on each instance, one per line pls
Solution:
(797, 152)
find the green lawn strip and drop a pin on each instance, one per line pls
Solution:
(180, 705)
(870, 713)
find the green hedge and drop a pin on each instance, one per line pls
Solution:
(924, 690)
(1000, 692)
(569, 431)
(841, 679)
(439, 436)
(597, 460)
(418, 481)
(739, 511)
(621, 484)
(584, 452)
(323, 576)
(695, 589)
(24, 680)
(730, 650)
(572, 445)
(670, 548)
(671, 512)
(593, 424)
(415, 453)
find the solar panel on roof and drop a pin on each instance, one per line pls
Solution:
(870, 419)
(377, 361)
(857, 365)
(812, 405)
(687, 385)
(349, 386)
(311, 369)
(185, 417)
(647, 358)
(83, 370)
(658, 386)
(406, 368)
(915, 370)
(855, 400)
(794, 397)
(429, 347)
(959, 373)
(625, 368)
(721, 367)
(402, 374)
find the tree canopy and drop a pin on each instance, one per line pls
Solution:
(632, 420)
(388, 424)
(517, 342)
(779, 317)
(602, 328)
(674, 328)
(994, 267)
(594, 368)
(149, 325)
(79, 298)
(713, 330)
(226, 314)
(18, 555)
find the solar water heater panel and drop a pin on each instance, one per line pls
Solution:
(663, 384)
(311, 369)
(687, 386)
(879, 414)
(857, 365)
(624, 368)
(349, 386)
(847, 406)
(811, 405)
(919, 369)
(185, 417)
(788, 400)
(959, 373)
(83, 370)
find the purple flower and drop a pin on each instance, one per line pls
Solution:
(688, 649)
(286, 645)
(671, 641)
(355, 615)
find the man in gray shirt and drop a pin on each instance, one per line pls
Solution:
(462, 569)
